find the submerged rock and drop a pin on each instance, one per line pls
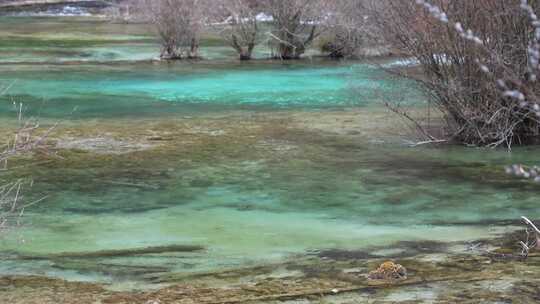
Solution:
(102, 145)
(389, 271)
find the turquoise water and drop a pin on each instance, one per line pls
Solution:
(94, 90)
(261, 162)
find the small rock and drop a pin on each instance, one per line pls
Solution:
(158, 138)
(389, 271)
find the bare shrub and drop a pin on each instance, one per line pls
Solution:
(297, 23)
(480, 79)
(349, 29)
(178, 23)
(514, 70)
(238, 25)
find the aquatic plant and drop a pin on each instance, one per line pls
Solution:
(26, 138)
(530, 243)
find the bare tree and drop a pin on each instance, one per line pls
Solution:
(178, 23)
(237, 23)
(297, 23)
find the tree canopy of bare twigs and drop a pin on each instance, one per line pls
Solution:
(348, 28)
(297, 23)
(236, 21)
(477, 63)
(178, 23)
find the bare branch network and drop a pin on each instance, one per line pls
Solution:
(480, 72)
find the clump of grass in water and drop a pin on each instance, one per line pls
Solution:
(24, 140)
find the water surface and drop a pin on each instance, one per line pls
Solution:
(257, 162)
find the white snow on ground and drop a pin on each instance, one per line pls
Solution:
(404, 62)
(66, 11)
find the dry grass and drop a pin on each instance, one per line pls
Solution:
(28, 137)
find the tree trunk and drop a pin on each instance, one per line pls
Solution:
(244, 53)
(194, 49)
(245, 56)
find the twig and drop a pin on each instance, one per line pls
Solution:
(427, 142)
(526, 246)
(531, 224)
